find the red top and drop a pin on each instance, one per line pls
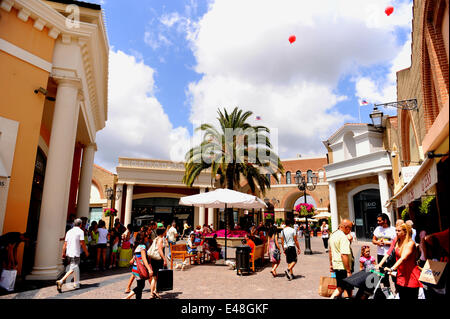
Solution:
(408, 273)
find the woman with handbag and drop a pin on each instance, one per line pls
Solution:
(157, 259)
(141, 268)
(273, 250)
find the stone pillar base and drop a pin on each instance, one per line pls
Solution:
(45, 273)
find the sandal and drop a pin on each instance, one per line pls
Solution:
(155, 295)
(273, 274)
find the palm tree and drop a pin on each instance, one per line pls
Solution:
(237, 150)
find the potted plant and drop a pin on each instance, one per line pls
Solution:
(110, 212)
(424, 207)
(305, 210)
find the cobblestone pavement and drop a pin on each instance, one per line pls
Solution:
(206, 281)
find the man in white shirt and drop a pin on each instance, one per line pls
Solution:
(172, 235)
(289, 242)
(383, 236)
(73, 243)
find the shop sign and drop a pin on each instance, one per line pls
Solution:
(163, 210)
(408, 172)
(420, 185)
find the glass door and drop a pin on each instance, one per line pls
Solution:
(367, 206)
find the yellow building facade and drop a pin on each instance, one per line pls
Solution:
(53, 83)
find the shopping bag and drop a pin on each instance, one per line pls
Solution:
(8, 279)
(165, 280)
(432, 272)
(327, 286)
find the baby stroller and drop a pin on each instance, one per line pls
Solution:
(368, 284)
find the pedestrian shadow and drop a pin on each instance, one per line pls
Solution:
(170, 295)
(74, 292)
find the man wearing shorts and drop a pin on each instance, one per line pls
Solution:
(341, 257)
(73, 243)
(289, 242)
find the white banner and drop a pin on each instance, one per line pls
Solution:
(408, 172)
(419, 185)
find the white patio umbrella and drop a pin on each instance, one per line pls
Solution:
(303, 219)
(223, 198)
(322, 215)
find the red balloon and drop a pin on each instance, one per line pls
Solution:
(292, 39)
(389, 10)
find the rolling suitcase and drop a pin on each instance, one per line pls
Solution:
(165, 280)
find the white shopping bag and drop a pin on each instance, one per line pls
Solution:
(8, 279)
(421, 293)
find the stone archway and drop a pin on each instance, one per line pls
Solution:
(289, 199)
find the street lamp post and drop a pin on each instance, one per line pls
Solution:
(112, 195)
(303, 185)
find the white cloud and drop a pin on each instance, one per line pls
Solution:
(383, 89)
(137, 124)
(242, 51)
(156, 40)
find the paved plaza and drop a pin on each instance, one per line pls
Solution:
(205, 281)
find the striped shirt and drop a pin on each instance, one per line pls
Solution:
(138, 258)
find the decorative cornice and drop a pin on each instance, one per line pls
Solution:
(7, 5)
(92, 39)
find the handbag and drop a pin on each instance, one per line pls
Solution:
(165, 279)
(153, 252)
(390, 261)
(8, 279)
(142, 270)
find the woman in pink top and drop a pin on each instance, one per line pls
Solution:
(408, 273)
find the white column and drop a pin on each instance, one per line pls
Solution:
(57, 181)
(384, 195)
(201, 214)
(128, 204)
(118, 203)
(333, 206)
(84, 189)
(211, 216)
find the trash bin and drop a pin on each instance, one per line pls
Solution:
(242, 259)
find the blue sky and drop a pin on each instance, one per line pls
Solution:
(173, 63)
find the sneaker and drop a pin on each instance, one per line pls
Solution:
(59, 286)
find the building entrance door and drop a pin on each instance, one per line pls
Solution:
(367, 206)
(34, 212)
